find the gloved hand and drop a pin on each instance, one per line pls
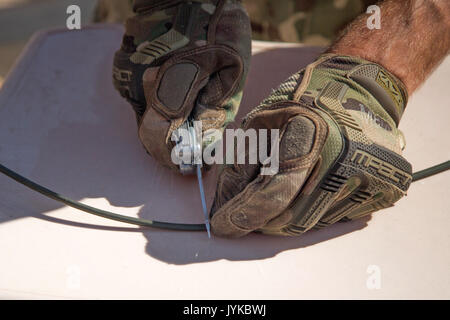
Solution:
(181, 59)
(339, 152)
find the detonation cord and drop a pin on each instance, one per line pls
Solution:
(152, 223)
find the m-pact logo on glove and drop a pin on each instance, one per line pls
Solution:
(385, 81)
(383, 168)
(121, 74)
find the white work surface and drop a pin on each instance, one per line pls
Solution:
(63, 125)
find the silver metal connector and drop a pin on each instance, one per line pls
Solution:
(188, 148)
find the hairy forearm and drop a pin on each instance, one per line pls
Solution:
(413, 39)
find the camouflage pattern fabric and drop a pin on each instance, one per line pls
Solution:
(179, 60)
(339, 152)
(313, 22)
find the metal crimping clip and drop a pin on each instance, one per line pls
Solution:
(188, 149)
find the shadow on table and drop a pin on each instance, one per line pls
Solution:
(93, 152)
(186, 248)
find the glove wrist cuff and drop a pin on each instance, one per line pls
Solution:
(386, 88)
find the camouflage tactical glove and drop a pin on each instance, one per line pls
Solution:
(339, 152)
(181, 59)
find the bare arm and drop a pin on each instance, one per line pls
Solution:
(413, 39)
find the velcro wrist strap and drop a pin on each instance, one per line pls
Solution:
(382, 85)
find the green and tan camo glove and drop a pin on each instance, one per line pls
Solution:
(339, 152)
(182, 59)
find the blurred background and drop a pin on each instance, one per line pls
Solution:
(19, 19)
(312, 22)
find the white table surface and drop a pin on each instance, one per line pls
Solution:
(63, 125)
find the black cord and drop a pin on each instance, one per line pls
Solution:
(152, 223)
(431, 171)
(98, 212)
